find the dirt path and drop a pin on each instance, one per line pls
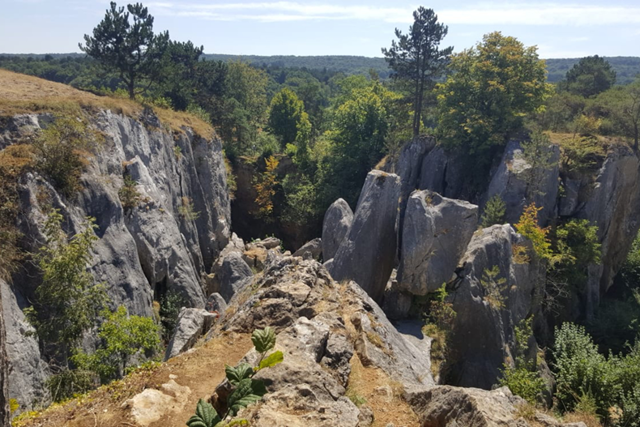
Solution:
(201, 370)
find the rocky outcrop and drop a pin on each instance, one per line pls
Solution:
(312, 249)
(5, 411)
(28, 372)
(336, 224)
(192, 323)
(367, 253)
(447, 406)
(519, 183)
(446, 174)
(612, 203)
(165, 241)
(321, 326)
(152, 405)
(435, 235)
(233, 274)
(495, 291)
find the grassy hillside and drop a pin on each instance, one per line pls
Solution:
(626, 67)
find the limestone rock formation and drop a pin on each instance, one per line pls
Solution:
(28, 372)
(312, 249)
(518, 183)
(367, 253)
(192, 323)
(336, 224)
(233, 275)
(495, 291)
(152, 405)
(5, 411)
(447, 406)
(435, 235)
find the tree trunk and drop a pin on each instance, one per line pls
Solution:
(5, 412)
(131, 89)
(418, 113)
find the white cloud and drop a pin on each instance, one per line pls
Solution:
(501, 14)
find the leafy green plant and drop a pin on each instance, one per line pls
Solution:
(170, 304)
(440, 319)
(523, 379)
(122, 336)
(245, 389)
(68, 302)
(177, 151)
(187, 210)
(529, 228)
(128, 193)
(494, 212)
(494, 286)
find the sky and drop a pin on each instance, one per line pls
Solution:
(560, 29)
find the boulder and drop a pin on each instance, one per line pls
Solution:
(234, 274)
(270, 242)
(152, 405)
(518, 183)
(312, 249)
(397, 303)
(28, 372)
(215, 303)
(336, 224)
(446, 174)
(447, 406)
(5, 410)
(435, 235)
(488, 308)
(191, 325)
(367, 253)
(409, 166)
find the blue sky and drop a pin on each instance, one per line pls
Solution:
(561, 28)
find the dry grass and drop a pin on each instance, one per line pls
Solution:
(201, 370)
(591, 420)
(21, 94)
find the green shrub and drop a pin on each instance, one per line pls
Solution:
(122, 336)
(128, 193)
(493, 286)
(576, 247)
(61, 152)
(68, 302)
(529, 228)
(70, 383)
(170, 305)
(494, 212)
(187, 210)
(245, 390)
(582, 371)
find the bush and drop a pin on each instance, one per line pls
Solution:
(170, 305)
(61, 152)
(122, 336)
(70, 383)
(582, 371)
(128, 193)
(529, 228)
(576, 247)
(494, 212)
(493, 286)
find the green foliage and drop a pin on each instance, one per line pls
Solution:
(494, 286)
(286, 116)
(122, 337)
(581, 154)
(493, 212)
(529, 228)
(61, 151)
(576, 247)
(416, 58)
(67, 302)
(170, 304)
(582, 371)
(245, 390)
(187, 210)
(128, 193)
(70, 383)
(440, 319)
(491, 88)
(206, 416)
(129, 48)
(523, 379)
(590, 76)
(621, 107)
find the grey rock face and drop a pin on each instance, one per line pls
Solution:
(518, 183)
(5, 410)
(234, 274)
(367, 253)
(397, 303)
(312, 249)
(483, 334)
(191, 325)
(435, 235)
(447, 406)
(612, 204)
(336, 224)
(409, 166)
(28, 373)
(444, 174)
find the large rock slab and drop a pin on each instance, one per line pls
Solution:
(519, 183)
(483, 331)
(27, 372)
(5, 410)
(192, 323)
(312, 249)
(233, 275)
(336, 224)
(447, 406)
(435, 235)
(367, 253)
